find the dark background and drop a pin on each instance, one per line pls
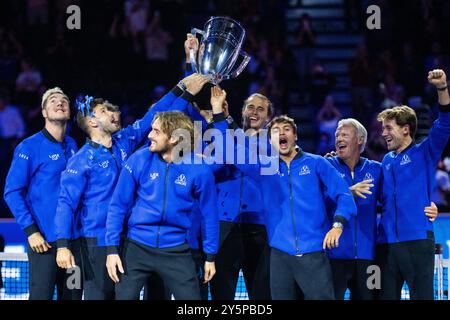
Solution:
(315, 59)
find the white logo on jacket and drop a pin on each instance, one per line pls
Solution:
(388, 166)
(405, 160)
(368, 176)
(104, 164)
(342, 175)
(23, 156)
(54, 157)
(304, 171)
(181, 180)
(123, 154)
(72, 171)
(154, 175)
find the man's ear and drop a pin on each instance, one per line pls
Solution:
(406, 130)
(173, 140)
(295, 137)
(44, 113)
(92, 122)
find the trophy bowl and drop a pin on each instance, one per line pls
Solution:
(220, 47)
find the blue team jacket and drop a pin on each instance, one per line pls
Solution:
(162, 197)
(359, 236)
(32, 185)
(294, 200)
(88, 182)
(239, 196)
(408, 181)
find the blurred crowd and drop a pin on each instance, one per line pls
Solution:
(131, 52)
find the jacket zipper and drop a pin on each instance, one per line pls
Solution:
(291, 199)
(164, 205)
(240, 198)
(356, 223)
(395, 201)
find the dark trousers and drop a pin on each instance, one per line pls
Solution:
(199, 260)
(411, 261)
(296, 277)
(351, 274)
(242, 246)
(45, 275)
(176, 269)
(156, 290)
(97, 283)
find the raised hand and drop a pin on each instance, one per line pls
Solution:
(195, 82)
(218, 97)
(437, 78)
(361, 188)
(190, 43)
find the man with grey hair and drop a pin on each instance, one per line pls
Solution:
(356, 250)
(31, 192)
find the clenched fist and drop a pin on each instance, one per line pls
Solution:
(437, 78)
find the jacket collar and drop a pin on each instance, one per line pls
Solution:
(49, 137)
(93, 144)
(358, 164)
(412, 144)
(299, 154)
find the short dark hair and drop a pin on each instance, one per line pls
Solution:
(82, 117)
(282, 119)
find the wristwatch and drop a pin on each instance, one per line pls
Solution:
(338, 225)
(182, 86)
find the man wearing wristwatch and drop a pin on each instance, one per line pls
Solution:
(405, 251)
(243, 238)
(356, 251)
(294, 209)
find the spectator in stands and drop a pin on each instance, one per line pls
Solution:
(306, 42)
(37, 12)
(441, 192)
(386, 101)
(327, 120)
(11, 123)
(12, 128)
(361, 73)
(137, 22)
(10, 50)
(27, 84)
(157, 41)
(320, 83)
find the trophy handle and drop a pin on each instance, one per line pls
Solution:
(241, 67)
(194, 32)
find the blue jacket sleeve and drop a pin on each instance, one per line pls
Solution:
(234, 153)
(73, 183)
(16, 187)
(207, 201)
(184, 104)
(141, 128)
(438, 136)
(121, 202)
(337, 190)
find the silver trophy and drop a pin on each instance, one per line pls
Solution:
(219, 49)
